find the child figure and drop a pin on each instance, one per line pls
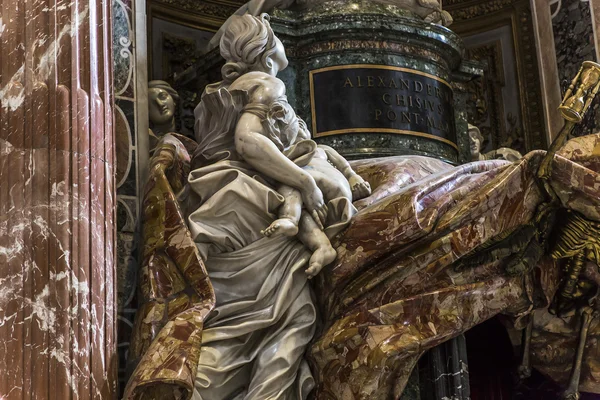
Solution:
(271, 139)
(336, 179)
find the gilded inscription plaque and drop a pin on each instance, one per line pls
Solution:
(381, 99)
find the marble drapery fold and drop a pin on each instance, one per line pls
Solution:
(393, 292)
(174, 283)
(255, 339)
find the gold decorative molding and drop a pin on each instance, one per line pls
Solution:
(382, 67)
(370, 130)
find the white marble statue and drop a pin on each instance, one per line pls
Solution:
(336, 179)
(503, 153)
(264, 202)
(270, 135)
(429, 10)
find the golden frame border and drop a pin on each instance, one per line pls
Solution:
(368, 130)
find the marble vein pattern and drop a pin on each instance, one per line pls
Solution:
(173, 281)
(228, 311)
(393, 292)
(57, 293)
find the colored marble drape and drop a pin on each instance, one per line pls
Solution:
(57, 271)
(393, 292)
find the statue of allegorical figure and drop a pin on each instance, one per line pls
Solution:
(476, 142)
(162, 102)
(235, 225)
(245, 126)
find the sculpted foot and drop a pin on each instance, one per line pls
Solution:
(324, 255)
(360, 187)
(282, 226)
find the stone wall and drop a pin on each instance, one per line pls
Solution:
(574, 42)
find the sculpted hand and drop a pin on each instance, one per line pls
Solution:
(314, 203)
(360, 188)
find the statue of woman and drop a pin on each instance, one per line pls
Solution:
(254, 342)
(228, 313)
(162, 99)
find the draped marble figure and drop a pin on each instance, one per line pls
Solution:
(250, 142)
(432, 250)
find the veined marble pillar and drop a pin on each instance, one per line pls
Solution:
(57, 271)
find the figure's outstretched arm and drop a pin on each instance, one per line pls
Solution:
(360, 188)
(338, 161)
(262, 154)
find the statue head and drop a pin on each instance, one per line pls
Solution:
(161, 105)
(475, 142)
(249, 44)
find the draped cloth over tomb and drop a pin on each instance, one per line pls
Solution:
(393, 292)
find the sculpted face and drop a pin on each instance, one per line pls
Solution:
(161, 106)
(474, 141)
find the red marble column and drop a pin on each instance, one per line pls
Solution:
(57, 270)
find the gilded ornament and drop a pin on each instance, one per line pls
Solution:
(577, 101)
(578, 239)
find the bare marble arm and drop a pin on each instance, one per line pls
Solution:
(338, 161)
(360, 188)
(262, 154)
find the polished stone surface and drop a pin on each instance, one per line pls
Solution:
(546, 54)
(341, 33)
(57, 201)
(397, 288)
(395, 262)
(338, 33)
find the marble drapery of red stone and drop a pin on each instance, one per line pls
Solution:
(393, 292)
(57, 270)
